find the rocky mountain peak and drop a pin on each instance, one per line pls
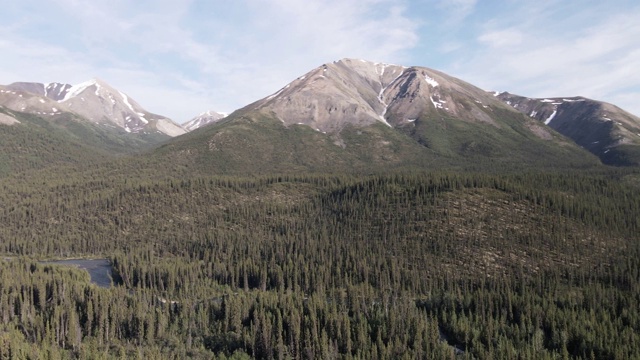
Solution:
(360, 93)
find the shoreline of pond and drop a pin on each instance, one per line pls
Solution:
(100, 270)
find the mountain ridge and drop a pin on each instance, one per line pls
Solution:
(604, 129)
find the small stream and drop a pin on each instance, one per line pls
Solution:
(99, 269)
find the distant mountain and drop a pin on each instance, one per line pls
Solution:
(607, 131)
(99, 102)
(93, 100)
(205, 118)
(359, 115)
(55, 124)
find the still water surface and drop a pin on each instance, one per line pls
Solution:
(98, 269)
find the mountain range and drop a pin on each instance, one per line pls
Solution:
(341, 116)
(359, 115)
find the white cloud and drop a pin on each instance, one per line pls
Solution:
(199, 55)
(458, 9)
(287, 38)
(24, 59)
(597, 59)
(332, 29)
(627, 101)
(202, 55)
(501, 38)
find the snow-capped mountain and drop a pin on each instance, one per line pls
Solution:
(205, 118)
(93, 100)
(602, 128)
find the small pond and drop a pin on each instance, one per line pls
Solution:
(98, 269)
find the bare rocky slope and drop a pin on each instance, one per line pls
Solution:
(359, 92)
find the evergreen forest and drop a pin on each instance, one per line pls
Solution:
(403, 265)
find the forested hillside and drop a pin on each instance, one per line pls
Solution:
(38, 142)
(418, 265)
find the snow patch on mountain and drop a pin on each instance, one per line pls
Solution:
(381, 93)
(431, 81)
(438, 103)
(55, 91)
(76, 90)
(546, 122)
(125, 98)
(277, 93)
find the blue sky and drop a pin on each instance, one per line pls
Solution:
(179, 58)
